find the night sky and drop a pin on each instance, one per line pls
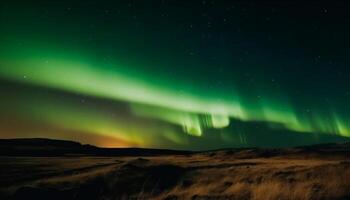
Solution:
(176, 74)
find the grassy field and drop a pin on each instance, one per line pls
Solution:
(246, 174)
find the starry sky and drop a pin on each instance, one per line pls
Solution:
(176, 74)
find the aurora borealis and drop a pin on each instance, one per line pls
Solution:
(175, 74)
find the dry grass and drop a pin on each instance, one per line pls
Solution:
(205, 177)
(274, 179)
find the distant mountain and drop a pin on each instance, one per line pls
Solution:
(51, 147)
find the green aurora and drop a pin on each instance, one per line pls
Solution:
(122, 84)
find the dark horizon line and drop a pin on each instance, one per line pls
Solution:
(163, 149)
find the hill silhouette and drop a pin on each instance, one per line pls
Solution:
(52, 147)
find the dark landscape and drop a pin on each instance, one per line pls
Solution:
(57, 169)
